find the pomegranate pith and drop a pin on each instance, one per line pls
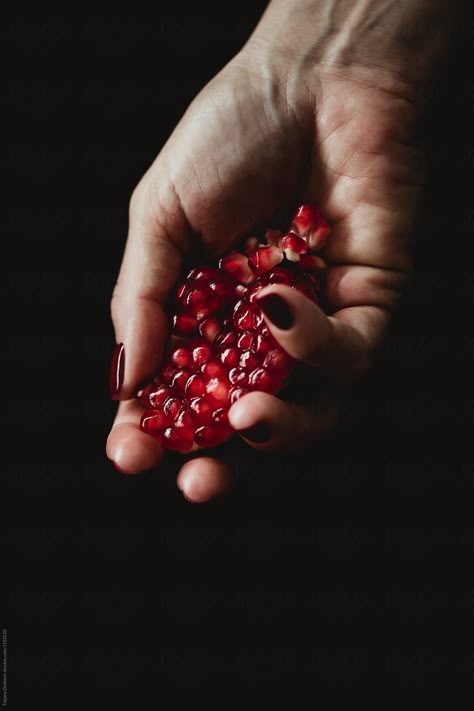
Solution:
(221, 348)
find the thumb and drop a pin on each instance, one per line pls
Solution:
(158, 238)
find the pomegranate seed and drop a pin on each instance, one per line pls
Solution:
(277, 361)
(214, 369)
(211, 435)
(236, 393)
(265, 258)
(143, 394)
(245, 341)
(237, 266)
(184, 425)
(260, 344)
(221, 348)
(154, 422)
(230, 356)
(168, 372)
(201, 353)
(158, 396)
(180, 379)
(210, 329)
(244, 317)
(228, 338)
(249, 360)
(184, 325)
(305, 217)
(237, 376)
(217, 392)
(181, 357)
(293, 246)
(201, 411)
(195, 386)
(171, 407)
(203, 274)
(261, 379)
(172, 440)
(221, 416)
(309, 222)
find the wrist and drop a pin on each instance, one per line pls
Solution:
(394, 46)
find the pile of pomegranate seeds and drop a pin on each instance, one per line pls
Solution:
(220, 347)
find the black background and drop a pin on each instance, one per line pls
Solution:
(345, 566)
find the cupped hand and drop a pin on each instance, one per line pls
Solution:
(254, 141)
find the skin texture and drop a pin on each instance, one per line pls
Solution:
(274, 128)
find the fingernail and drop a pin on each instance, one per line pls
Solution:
(117, 368)
(260, 433)
(277, 310)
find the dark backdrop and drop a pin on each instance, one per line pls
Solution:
(345, 565)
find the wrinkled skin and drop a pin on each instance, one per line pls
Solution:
(257, 138)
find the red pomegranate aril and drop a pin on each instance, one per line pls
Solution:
(221, 348)
(260, 344)
(237, 266)
(201, 353)
(249, 361)
(154, 422)
(210, 329)
(203, 274)
(195, 386)
(167, 372)
(171, 407)
(278, 276)
(184, 425)
(305, 217)
(217, 392)
(228, 338)
(221, 416)
(172, 440)
(277, 361)
(293, 245)
(261, 379)
(180, 378)
(244, 317)
(143, 394)
(236, 393)
(245, 341)
(182, 293)
(181, 357)
(184, 325)
(201, 411)
(211, 435)
(309, 222)
(230, 356)
(240, 377)
(214, 369)
(158, 396)
(265, 258)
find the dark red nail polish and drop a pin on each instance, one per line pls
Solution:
(117, 369)
(259, 433)
(277, 310)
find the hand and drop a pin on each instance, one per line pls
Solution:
(252, 142)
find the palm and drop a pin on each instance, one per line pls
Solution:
(243, 155)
